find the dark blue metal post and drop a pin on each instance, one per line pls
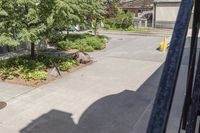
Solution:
(162, 105)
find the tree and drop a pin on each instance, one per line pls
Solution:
(112, 7)
(21, 22)
(34, 20)
(68, 13)
(65, 14)
(95, 13)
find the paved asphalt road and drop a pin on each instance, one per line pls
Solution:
(113, 95)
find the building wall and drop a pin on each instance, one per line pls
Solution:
(165, 14)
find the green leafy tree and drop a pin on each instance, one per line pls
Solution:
(31, 21)
(95, 13)
(68, 13)
(65, 14)
(21, 22)
(123, 21)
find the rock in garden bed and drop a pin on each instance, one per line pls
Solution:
(82, 57)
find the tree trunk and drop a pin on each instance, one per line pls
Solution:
(32, 50)
(95, 29)
(95, 32)
(67, 32)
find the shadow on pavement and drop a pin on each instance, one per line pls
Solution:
(116, 113)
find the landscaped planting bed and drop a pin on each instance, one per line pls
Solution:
(26, 69)
(83, 42)
(38, 70)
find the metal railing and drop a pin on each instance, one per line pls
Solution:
(164, 98)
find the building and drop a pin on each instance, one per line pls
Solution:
(137, 6)
(165, 13)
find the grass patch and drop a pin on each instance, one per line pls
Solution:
(24, 67)
(83, 42)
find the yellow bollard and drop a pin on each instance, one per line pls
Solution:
(163, 45)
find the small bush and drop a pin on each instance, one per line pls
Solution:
(107, 26)
(26, 68)
(122, 21)
(84, 42)
(65, 66)
(130, 28)
(86, 48)
(35, 75)
(95, 42)
(82, 45)
(66, 44)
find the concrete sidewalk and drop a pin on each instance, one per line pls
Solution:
(11, 91)
(108, 96)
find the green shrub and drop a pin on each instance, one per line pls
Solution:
(65, 66)
(107, 26)
(35, 75)
(26, 68)
(86, 48)
(95, 42)
(123, 21)
(66, 44)
(9, 74)
(130, 28)
(83, 42)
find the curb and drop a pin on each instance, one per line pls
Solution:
(136, 34)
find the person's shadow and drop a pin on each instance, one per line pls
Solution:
(52, 122)
(116, 113)
(112, 114)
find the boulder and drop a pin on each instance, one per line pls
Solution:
(82, 57)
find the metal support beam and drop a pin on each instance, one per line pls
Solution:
(162, 105)
(192, 60)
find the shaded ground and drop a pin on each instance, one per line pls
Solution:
(109, 96)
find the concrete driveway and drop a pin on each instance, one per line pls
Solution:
(109, 96)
